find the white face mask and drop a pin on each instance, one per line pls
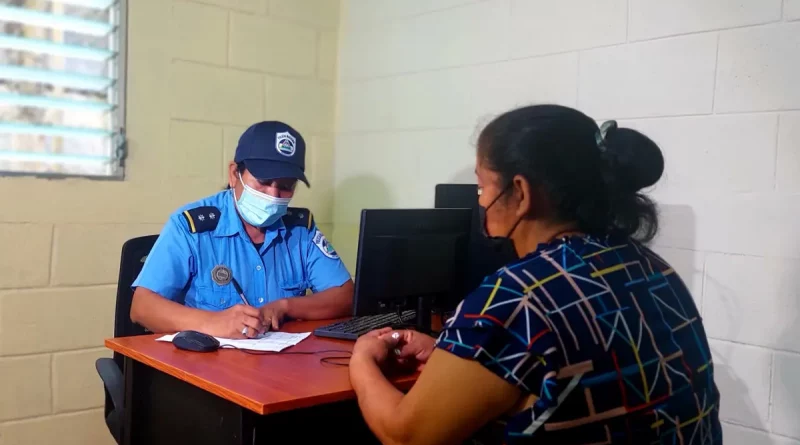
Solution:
(260, 209)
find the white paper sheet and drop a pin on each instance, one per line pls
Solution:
(268, 341)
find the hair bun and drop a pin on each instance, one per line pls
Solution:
(636, 161)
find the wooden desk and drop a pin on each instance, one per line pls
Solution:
(228, 396)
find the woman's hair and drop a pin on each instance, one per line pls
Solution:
(590, 176)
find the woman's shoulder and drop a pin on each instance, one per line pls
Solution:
(568, 256)
(556, 256)
(543, 270)
(511, 283)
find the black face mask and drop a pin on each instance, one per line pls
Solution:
(499, 243)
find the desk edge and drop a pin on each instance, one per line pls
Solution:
(402, 384)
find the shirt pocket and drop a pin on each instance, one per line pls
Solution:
(293, 289)
(215, 298)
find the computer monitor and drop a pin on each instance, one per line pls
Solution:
(483, 257)
(410, 259)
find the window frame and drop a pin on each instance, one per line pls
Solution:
(117, 90)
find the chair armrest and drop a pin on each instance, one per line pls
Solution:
(112, 378)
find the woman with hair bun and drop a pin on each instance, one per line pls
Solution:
(588, 338)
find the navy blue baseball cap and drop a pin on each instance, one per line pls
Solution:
(271, 150)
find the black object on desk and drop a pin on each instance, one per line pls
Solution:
(356, 327)
(484, 257)
(195, 341)
(408, 259)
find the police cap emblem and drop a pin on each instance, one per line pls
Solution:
(285, 143)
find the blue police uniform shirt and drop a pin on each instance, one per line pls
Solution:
(295, 257)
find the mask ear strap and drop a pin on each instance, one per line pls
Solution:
(505, 190)
(502, 192)
(514, 227)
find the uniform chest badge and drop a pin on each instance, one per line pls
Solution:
(324, 245)
(221, 274)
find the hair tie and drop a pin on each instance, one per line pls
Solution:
(600, 136)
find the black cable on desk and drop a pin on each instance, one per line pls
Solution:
(327, 360)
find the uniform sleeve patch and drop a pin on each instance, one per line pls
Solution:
(202, 219)
(324, 245)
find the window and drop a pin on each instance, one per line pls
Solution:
(62, 87)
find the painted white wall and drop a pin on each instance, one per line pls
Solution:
(714, 82)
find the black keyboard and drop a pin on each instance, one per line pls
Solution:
(358, 326)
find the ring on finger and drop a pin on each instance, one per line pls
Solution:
(244, 331)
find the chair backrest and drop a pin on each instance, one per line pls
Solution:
(134, 253)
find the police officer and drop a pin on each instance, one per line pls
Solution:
(239, 262)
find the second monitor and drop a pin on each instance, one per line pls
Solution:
(484, 257)
(408, 261)
(410, 258)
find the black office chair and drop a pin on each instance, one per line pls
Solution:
(134, 252)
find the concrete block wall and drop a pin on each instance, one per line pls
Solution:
(199, 73)
(714, 82)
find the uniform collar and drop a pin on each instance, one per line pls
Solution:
(231, 224)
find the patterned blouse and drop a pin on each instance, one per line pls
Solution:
(606, 336)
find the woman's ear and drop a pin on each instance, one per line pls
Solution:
(523, 194)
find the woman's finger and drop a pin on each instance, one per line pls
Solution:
(379, 332)
(400, 336)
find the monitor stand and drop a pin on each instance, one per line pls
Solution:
(422, 319)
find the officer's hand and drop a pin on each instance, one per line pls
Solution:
(272, 314)
(231, 322)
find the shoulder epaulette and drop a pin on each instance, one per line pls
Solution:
(296, 216)
(202, 219)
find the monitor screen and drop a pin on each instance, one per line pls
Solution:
(483, 258)
(408, 255)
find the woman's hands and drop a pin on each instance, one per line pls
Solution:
(412, 348)
(405, 348)
(374, 346)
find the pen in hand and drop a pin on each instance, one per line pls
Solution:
(244, 300)
(239, 291)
